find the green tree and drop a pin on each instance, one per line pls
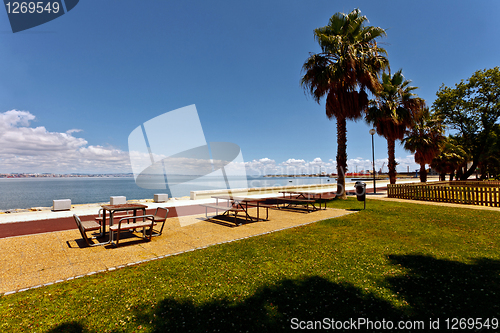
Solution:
(490, 164)
(425, 139)
(472, 110)
(393, 112)
(345, 70)
(450, 158)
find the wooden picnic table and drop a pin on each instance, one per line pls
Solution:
(320, 196)
(305, 199)
(236, 205)
(117, 208)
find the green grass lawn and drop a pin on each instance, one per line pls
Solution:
(392, 262)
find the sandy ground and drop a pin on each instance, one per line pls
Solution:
(35, 260)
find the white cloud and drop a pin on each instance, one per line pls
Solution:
(14, 118)
(266, 166)
(261, 167)
(74, 130)
(35, 149)
(24, 148)
(381, 164)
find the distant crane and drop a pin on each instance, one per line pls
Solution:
(380, 171)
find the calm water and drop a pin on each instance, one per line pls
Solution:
(39, 192)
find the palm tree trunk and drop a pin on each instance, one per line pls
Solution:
(392, 160)
(341, 157)
(467, 173)
(423, 173)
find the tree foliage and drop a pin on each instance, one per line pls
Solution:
(450, 158)
(425, 139)
(489, 165)
(345, 71)
(393, 112)
(472, 110)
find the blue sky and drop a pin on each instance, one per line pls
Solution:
(73, 89)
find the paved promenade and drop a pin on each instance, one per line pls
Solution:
(34, 260)
(44, 247)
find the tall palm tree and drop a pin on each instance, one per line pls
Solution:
(425, 139)
(392, 113)
(345, 70)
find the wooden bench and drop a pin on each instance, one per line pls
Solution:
(219, 207)
(296, 201)
(325, 197)
(117, 228)
(98, 219)
(226, 210)
(117, 215)
(259, 205)
(160, 216)
(328, 196)
(307, 198)
(86, 226)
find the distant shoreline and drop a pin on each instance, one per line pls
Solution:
(54, 175)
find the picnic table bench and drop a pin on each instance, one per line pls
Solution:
(296, 199)
(223, 208)
(237, 205)
(147, 221)
(305, 199)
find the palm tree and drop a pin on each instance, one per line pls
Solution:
(392, 113)
(425, 139)
(344, 71)
(451, 157)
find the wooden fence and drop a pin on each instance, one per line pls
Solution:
(485, 193)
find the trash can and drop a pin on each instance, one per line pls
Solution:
(360, 191)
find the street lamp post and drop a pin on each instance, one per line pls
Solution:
(372, 132)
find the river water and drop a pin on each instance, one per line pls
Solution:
(39, 192)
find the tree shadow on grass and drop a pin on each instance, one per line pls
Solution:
(270, 309)
(70, 327)
(448, 289)
(434, 288)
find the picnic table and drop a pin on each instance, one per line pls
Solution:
(118, 208)
(237, 205)
(305, 199)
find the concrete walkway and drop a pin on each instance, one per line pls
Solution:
(57, 252)
(32, 261)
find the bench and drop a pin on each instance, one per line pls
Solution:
(307, 198)
(117, 215)
(325, 197)
(121, 226)
(328, 196)
(160, 216)
(259, 205)
(296, 201)
(219, 207)
(86, 226)
(226, 209)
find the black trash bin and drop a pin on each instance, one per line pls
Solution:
(360, 191)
